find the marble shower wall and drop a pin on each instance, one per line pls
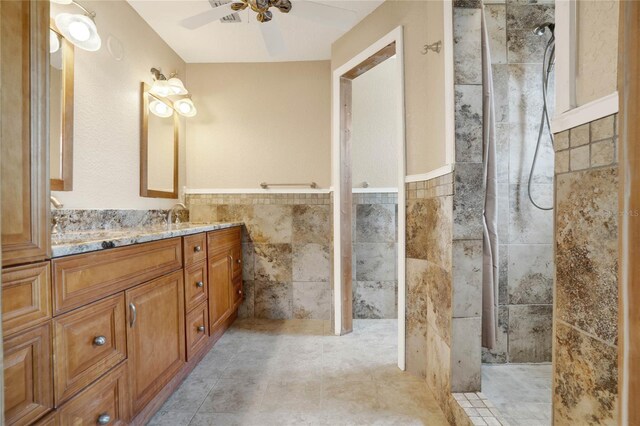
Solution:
(586, 293)
(375, 255)
(525, 232)
(286, 250)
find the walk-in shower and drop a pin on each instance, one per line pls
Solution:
(547, 67)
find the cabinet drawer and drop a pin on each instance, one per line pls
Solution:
(195, 249)
(82, 279)
(237, 294)
(26, 297)
(108, 397)
(221, 240)
(236, 260)
(197, 329)
(27, 375)
(195, 285)
(87, 343)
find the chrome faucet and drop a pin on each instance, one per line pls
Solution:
(170, 214)
(55, 203)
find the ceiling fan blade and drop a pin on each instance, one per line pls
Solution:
(273, 39)
(324, 14)
(201, 19)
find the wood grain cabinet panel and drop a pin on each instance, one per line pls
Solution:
(221, 240)
(155, 336)
(197, 330)
(27, 375)
(26, 297)
(87, 343)
(195, 248)
(236, 260)
(219, 289)
(195, 285)
(236, 294)
(108, 397)
(85, 278)
(24, 26)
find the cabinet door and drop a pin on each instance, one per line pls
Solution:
(155, 336)
(219, 289)
(24, 26)
(27, 375)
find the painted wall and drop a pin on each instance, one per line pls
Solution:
(374, 144)
(424, 74)
(263, 122)
(106, 167)
(597, 49)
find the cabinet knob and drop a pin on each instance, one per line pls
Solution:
(99, 341)
(201, 328)
(197, 249)
(104, 419)
(239, 261)
(199, 284)
(240, 292)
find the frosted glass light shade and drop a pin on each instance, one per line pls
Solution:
(185, 107)
(54, 41)
(79, 30)
(161, 88)
(62, 1)
(177, 86)
(160, 109)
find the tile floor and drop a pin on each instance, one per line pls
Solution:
(294, 372)
(521, 392)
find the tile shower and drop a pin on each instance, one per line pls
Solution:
(525, 232)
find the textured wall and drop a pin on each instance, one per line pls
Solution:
(586, 293)
(525, 232)
(106, 167)
(375, 255)
(374, 125)
(286, 250)
(267, 122)
(597, 49)
(424, 74)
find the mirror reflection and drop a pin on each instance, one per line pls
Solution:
(159, 146)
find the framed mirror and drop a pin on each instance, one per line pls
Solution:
(159, 136)
(60, 111)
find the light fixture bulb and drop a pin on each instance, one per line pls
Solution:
(185, 107)
(177, 86)
(161, 88)
(79, 30)
(160, 109)
(54, 41)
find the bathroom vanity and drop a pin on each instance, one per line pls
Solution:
(104, 332)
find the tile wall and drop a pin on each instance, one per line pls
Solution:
(286, 250)
(525, 232)
(586, 292)
(375, 255)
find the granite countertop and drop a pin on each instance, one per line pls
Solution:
(65, 244)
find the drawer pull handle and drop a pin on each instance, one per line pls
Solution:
(104, 419)
(201, 328)
(100, 341)
(199, 284)
(197, 249)
(134, 314)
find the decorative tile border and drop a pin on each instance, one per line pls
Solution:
(480, 409)
(375, 198)
(588, 146)
(254, 199)
(438, 187)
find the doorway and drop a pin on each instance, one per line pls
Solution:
(388, 48)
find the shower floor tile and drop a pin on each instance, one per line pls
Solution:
(521, 392)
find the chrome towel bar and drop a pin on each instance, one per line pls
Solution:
(265, 185)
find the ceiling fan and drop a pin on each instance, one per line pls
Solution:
(333, 16)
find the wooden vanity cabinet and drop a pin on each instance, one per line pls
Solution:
(24, 27)
(155, 336)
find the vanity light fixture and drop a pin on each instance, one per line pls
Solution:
(185, 107)
(160, 109)
(177, 86)
(79, 29)
(54, 41)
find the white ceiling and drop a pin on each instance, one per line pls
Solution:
(305, 40)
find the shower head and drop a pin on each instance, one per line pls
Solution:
(540, 29)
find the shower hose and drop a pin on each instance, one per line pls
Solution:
(547, 67)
